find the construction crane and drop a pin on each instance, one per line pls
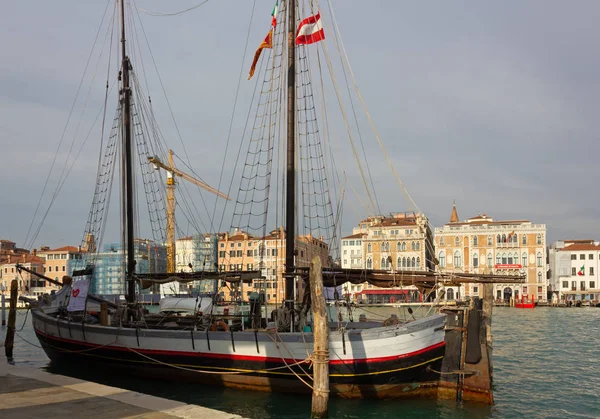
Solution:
(172, 171)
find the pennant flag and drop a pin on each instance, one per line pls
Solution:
(274, 14)
(267, 43)
(310, 30)
(581, 271)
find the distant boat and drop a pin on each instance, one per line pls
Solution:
(525, 303)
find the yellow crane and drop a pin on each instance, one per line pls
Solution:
(172, 171)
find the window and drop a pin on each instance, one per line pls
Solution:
(582, 285)
(232, 244)
(398, 246)
(504, 259)
(399, 263)
(249, 252)
(413, 263)
(345, 243)
(457, 259)
(475, 241)
(456, 241)
(524, 259)
(573, 285)
(412, 246)
(50, 257)
(64, 256)
(489, 241)
(573, 257)
(369, 248)
(369, 263)
(592, 284)
(403, 246)
(345, 252)
(418, 263)
(385, 247)
(442, 260)
(490, 259)
(539, 277)
(539, 238)
(475, 260)
(232, 267)
(441, 241)
(539, 259)
(573, 271)
(404, 262)
(222, 244)
(351, 242)
(565, 284)
(591, 256)
(239, 253)
(475, 290)
(249, 267)
(591, 271)
(510, 258)
(498, 260)
(62, 267)
(418, 246)
(524, 240)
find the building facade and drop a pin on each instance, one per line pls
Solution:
(574, 270)
(481, 245)
(399, 242)
(240, 251)
(29, 284)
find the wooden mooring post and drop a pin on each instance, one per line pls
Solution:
(320, 396)
(3, 309)
(466, 372)
(12, 320)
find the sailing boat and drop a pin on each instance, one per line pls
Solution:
(367, 359)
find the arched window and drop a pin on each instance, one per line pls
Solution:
(383, 263)
(504, 258)
(369, 248)
(398, 246)
(490, 259)
(404, 262)
(413, 263)
(418, 246)
(489, 240)
(510, 259)
(475, 260)
(418, 263)
(524, 258)
(412, 245)
(524, 239)
(386, 246)
(403, 246)
(539, 259)
(441, 240)
(475, 241)
(515, 238)
(456, 241)
(498, 260)
(539, 277)
(369, 263)
(442, 260)
(457, 259)
(539, 238)
(504, 238)
(450, 294)
(399, 263)
(498, 238)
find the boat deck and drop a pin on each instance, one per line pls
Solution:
(31, 393)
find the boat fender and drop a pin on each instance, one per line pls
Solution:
(220, 324)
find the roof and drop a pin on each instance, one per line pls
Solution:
(61, 249)
(354, 236)
(454, 215)
(577, 247)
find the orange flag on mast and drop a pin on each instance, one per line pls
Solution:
(267, 43)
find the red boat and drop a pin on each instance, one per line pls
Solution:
(525, 303)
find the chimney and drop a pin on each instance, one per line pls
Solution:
(34, 252)
(9, 258)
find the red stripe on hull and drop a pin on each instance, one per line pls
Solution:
(235, 357)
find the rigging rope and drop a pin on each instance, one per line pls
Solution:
(161, 14)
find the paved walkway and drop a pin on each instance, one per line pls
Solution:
(31, 393)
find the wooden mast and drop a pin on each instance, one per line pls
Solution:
(129, 222)
(290, 221)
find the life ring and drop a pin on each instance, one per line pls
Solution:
(219, 323)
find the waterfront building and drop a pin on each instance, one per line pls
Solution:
(29, 284)
(574, 270)
(482, 245)
(399, 242)
(108, 276)
(240, 251)
(59, 262)
(194, 254)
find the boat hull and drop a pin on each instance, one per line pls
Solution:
(390, 362)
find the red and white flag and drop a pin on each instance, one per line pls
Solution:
(310, 30)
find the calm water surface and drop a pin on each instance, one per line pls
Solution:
(546, 365)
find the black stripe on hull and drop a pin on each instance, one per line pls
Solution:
(387, 379)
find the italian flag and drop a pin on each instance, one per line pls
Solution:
(274, 14)
(581, 271)
(310, 30)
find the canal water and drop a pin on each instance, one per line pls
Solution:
(546, 365)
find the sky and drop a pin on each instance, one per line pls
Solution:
(492, 105)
